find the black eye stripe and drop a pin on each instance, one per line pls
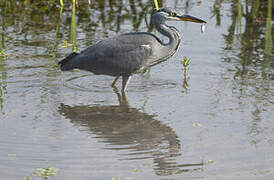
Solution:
(171, 13)
(164, 10)
(161, 10)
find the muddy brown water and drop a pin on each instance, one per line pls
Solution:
(213, 120)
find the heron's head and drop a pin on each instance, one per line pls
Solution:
(172, 15)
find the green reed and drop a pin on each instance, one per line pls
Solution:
(156, 4)
(268, 35)
(73, 26)
(61, 3)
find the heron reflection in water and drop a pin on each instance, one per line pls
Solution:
(130, 53)
(122, 127)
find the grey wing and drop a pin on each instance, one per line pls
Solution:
(116, 56)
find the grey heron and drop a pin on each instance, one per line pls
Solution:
(130, 53)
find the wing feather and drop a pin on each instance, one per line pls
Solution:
(125, 54)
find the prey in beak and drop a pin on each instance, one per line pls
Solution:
(191, 19)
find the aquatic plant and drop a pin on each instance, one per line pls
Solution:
(185, 62)
(45, 172)
(73, 26)
(61, 3)
(2, 53)
(156, 4)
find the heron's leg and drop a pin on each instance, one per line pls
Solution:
(115, 81)
(126, 79)
(121, 98)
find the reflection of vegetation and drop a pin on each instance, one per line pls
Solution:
(185, 62)
(56, 33)
(3, 80)
(185, 83)
(250, 51)
(216, 11)
(268, 36)
(3, 83)
(250, 41)
(2, 53)
(239, 16)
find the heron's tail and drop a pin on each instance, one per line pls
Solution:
(67, 63)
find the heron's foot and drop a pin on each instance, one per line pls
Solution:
(126, 80)
(115, 81)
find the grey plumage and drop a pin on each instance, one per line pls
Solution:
(129, 53)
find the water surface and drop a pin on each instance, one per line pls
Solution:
(213, 120)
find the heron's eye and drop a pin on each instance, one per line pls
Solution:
(172, 14)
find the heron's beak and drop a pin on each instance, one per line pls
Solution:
(190, 18)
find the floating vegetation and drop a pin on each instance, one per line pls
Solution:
(197, 125)
(11, 155)
(209, 161)
(136, 170)
(115, 178)
(45, 172)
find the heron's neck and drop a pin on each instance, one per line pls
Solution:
(173, 35)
